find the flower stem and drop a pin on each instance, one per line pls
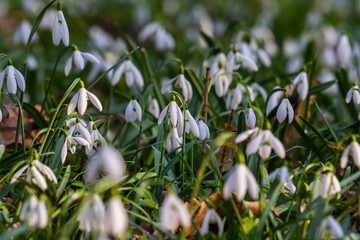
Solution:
(206, 103)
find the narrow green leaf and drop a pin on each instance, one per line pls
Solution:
(63, 182)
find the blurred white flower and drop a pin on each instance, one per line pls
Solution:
(204, 132)
(191, 124)
(72, 121)
(211, 217)
(274, 100)
(250, 118)
(264, 57)
(13, 77)
(344, 52)
(163, 40)
(285, 110)
(80, 100)
(70, 144)
(180, 82)
(131, 72)
(108, 161)
(116, 219)
(34, 212)
(173, 140)
(133, 111)
(153, 106)
(301, 84)
(92, 215)
(240, 181)
(284, 178)
(353, 93)
(237, 59)
(327, 185)
(47, 21)
(22, 33)
(176, 116)
(219, 62)
(79, 60)
(0, 115)
(354, 148)
(246, 134)
(173, 213)
(333, 226)
(258, 89)
(222, 82)
(234, 97)
(60, 29)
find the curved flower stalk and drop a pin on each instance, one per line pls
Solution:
(133, 111)
(240, 181)
(131, 72)
(274, 100)
(262, 141)
(97, 141)
(301, 84)
(204, 132)
(327, 185)
(250, 118)
(211, 217)
(176, 116)
(34, 212)
(60, 29)
(191, 124)
(163, 40)
(13, 78)
(180, 82)
(354, 148)
(354, 94)
(173, 213)
(108, 161)
(80, 99)
(22, 33)
(34, 172)
(92, 215)
(285, 110)
(153, 106)
(71, 143)
(344, 51)
(173, 140)
(284, 178)
(79, 60)
(333, 226)
(116, 218)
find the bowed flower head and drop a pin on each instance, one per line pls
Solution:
(191, 125)
(285, 110)
(353, 93)
(354, 148)
(333, 226)
(70, 144)
(60, 29)
(153, 107)
(204, 132)
(116, 219)
(80, 100)
(301, 85)
(79, 60)
(176, 116)
(180, 82)
(34, 212)
(173, 213)
(211, 217)
(13, 77)
(131, 72)
(327, 185)
(133, 111)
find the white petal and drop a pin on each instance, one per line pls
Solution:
(64, 151)
(245, 135)
(173, 113)
(56, 30)
(63, 28)
(344, 157)
(68, 65)
(290, 112)
(11, 82)
(349, 95)
(20, 80)
(254, 145)
(250, 118)
(281, 111)
(277, 146)
(90, 57)
(252, 185)
(2, 75)
(356, 153)
(38, 178)
(82, 101)
(73, 103)
(163, 114)
(78, 59)
(356, 96)
(18, 173)
(94, 100)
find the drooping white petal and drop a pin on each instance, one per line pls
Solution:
(163, 114)
(90, 57)
(18, 173)
(277, 146)
(355, 147)
(94, 100)
(246, 134)
(73, 103)
(344, 157)
(250, 118)
(20, 80)
(39, 179)
(63, 28)
(82, 101)
(11, 82)
(68, 65)
(254, 144)
(116, 219)
(78, 59)
(252, 184)
(281, 112)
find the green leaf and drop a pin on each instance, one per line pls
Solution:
(35, 114)
(63, 183)
(2, 150)
(321, 87)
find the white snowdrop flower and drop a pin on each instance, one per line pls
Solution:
(78, 130)
(173, 140)
(211, 217)
(34, 212)
(92, 215)
(153, 107)
(48, 20)
(353, 93)
(116, 219)
(284, 179)
(237, 59)
(180, 82)
(108, 161)
(22, 33)
(131, 73)
(327, 185)
(80, 99)
(222, 82)
(32, 62)
(344, 52)
(173, 213)
(333, 226)
(100, 38)
(264, 57)
(72, 121)
(133, 111)
(274, 100)
(60, 29)
(240, 181)
(294, 64)
(191, 125)
(250, 118)
(204, 132)
(234, 97)
(328, 57)
(259, 89)
(163, 40)
(301, 84)
(79, 60)
(354, 148)
(246, 134)
(285, 110)
(13, 78)
(219, 62)
(176, 116)
(70, 144)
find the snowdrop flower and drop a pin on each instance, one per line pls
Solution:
(35, 169)
(250, 118)
(264, 57)
(133, 111)
(97, 141)
(327, 185)
(222, 82)
(234, 97)
(343, 51)
(79, 60)
(354, 148)
(258, 89)
(301, 84)
(191, 125)
(176, 116)
(107, 160)
(334, 227)
(211, 217)
(274, 100)
(153, 106)
(246, 134)
(13, 77)
(92, 215)
(163, 40)
(240, 181)
(353, 93)
(284, 178)
(78, 130)
(34, 212)
(285, 110)
(204, 132)
(173, 213)
(80, 100)
(72, 121)
(70, 144)
(173, 140)
(131, 72)
(180, 82)
(219, 63)
(237, 59)
(22, 33)
(60, 29)
(116, 219)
